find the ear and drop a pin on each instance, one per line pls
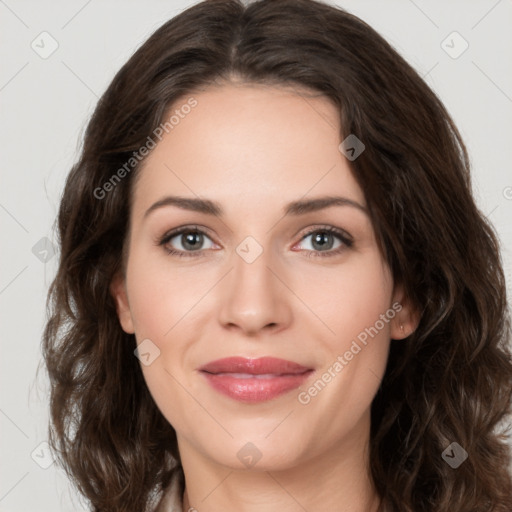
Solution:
(407, 317)
(118, 292)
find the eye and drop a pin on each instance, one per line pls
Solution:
(323, 240)
(189, 240)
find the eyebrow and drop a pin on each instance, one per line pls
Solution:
(294, 208)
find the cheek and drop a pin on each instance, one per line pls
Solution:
(352, 297)
(160, 297)
(162, 307)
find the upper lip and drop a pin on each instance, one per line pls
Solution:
(262, 365)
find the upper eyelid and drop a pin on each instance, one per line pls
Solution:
(184, 229)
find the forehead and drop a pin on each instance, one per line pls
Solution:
(249, 146)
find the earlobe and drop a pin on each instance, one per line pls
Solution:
(118, 292)
(406, 319)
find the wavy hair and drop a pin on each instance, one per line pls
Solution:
(449, 381)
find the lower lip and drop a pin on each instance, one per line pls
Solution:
(253, 389)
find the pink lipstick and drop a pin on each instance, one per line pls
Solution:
(254, 380)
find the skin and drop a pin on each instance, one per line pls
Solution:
(253, 149)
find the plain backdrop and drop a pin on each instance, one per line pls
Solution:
(46, 100)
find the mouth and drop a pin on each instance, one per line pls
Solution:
(254, 380)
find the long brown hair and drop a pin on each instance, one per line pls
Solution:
(449, 381)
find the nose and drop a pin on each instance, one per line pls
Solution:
(255, 297)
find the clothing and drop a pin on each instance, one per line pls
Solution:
(172, 500)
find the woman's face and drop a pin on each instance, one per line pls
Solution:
(261, 279)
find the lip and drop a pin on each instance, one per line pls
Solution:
(254, 380)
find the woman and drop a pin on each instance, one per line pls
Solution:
(275, 290)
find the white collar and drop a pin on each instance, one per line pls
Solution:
(172, 499)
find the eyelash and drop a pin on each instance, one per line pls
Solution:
(346, 241)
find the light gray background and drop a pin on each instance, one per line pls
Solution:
(45, 105)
